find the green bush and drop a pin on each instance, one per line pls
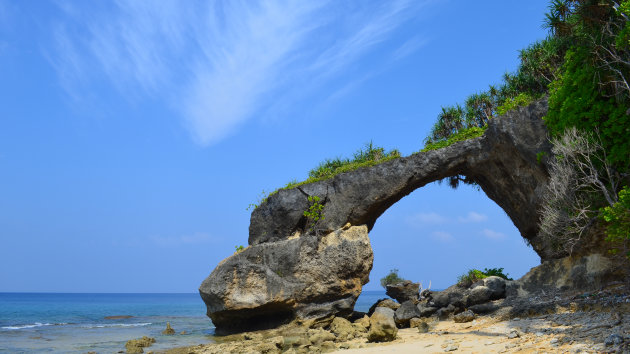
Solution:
(391, 278)
(474, 275)
(367, 156)
(466, 134)
(576, 101)
(314, 213)
(617, 219)
(521, 100)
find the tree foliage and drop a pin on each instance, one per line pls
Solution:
(391, 278)
(582, 180)
(617, 217)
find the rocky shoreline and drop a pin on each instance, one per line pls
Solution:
(593, 322)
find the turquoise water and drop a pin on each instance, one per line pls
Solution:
(76, 323)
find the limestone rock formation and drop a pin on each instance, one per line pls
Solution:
(305, 277)
(382, 325)
(169, 330)
(503, 162)
(403, 291)
(297, 269)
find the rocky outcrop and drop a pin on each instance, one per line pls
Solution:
(382, 325)
(403, 291)
(303, 277)
(297, 268)
(505, 162)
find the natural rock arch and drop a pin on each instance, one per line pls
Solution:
(506, 163)
(293, 271)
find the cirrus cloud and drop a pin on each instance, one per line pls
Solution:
(219, 63)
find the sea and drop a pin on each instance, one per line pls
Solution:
(103, 323)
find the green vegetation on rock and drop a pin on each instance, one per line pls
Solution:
(472, 132)
(391, 278)
(617, 219)
(474, 275)
(369, 155)
(314, 212)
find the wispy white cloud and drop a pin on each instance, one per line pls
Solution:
(409, 47)
(217, 63)
(196, 238)
(494, 235)
(473, 217)
(421, 219)
(442, 236)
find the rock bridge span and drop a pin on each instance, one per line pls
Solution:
(290, 272)
(505, 162)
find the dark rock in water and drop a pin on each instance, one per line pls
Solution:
(136, 345)
(484, 308)
(304, 277)
(389, 303)
(463, 317)
(117, 317)
(403, 291)
(168, 330)
(405, 312)
(382, 325)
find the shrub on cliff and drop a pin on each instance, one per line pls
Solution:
(472, 276)
(391, 278)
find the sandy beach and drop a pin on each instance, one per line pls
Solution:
(596, 324)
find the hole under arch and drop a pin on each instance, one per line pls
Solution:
(437, 233)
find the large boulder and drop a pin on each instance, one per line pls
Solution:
(304, 277)
(403, 291)
(496, 285)
(389, 303)
(382, 325)
(342, 329)
(406, 312)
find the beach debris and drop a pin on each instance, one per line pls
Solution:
(451, 348)
(382, 325)
(513, 334)
(136, 345)
(169, 330)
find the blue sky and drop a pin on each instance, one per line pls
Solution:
(134, 134)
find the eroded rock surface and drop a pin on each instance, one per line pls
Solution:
(505, 162)
(304, 277)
